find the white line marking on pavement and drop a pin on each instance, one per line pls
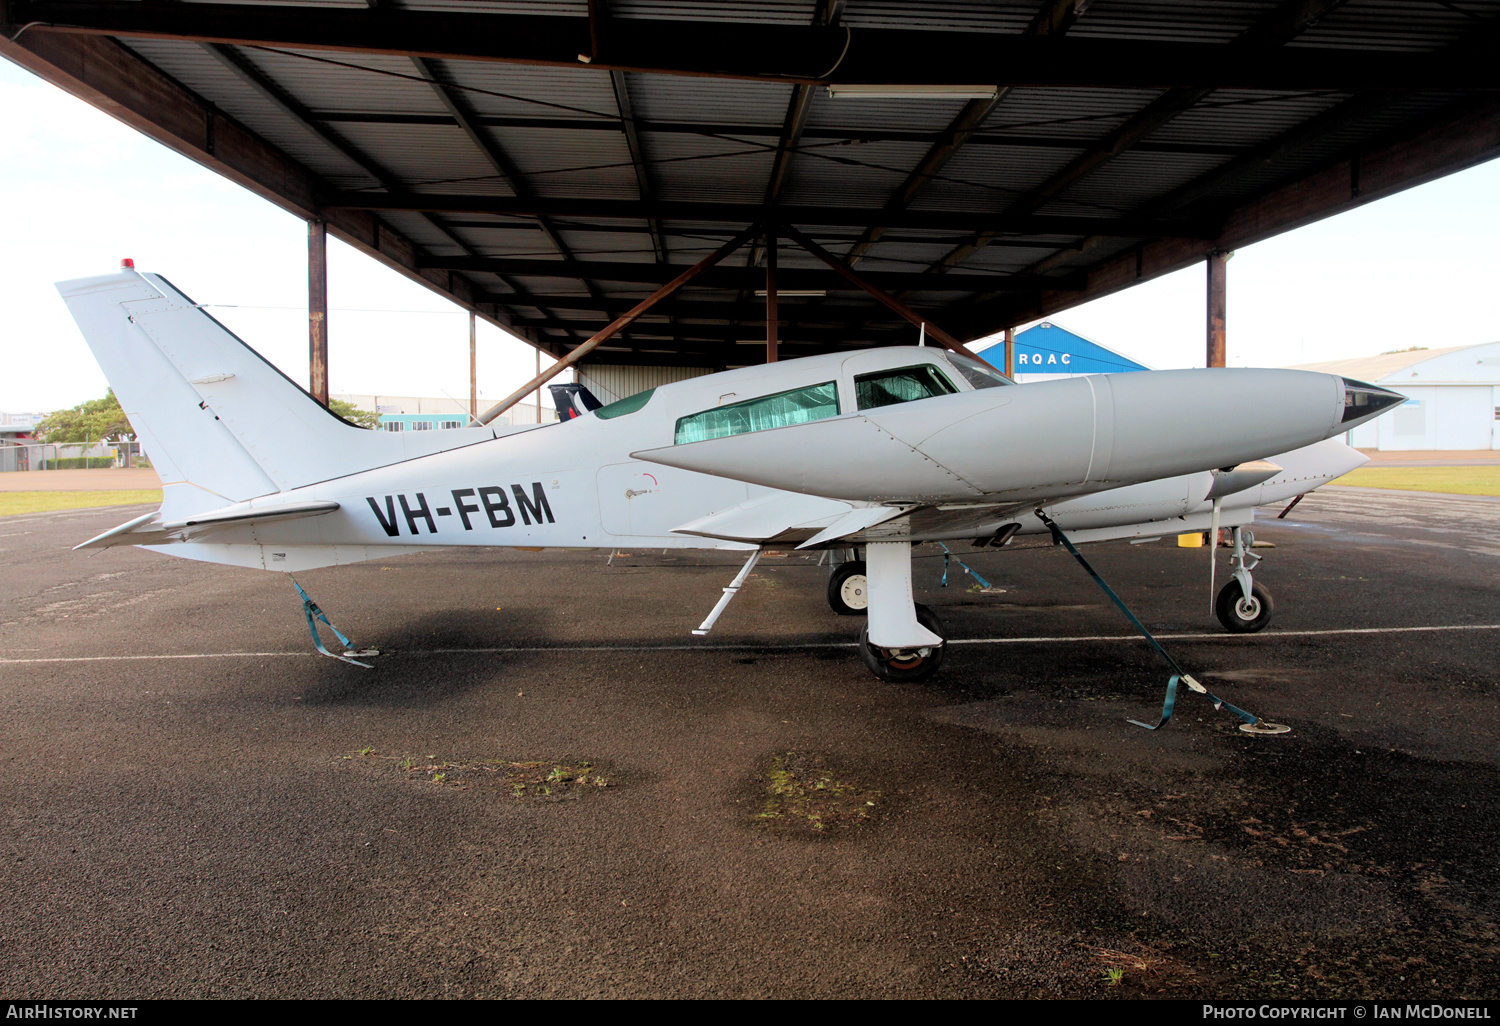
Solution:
(753, 647)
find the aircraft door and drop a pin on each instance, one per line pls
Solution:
(648, 500)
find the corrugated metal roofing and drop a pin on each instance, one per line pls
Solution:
(354, 120)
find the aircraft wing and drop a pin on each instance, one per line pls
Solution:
(809, 521)
(152, 530)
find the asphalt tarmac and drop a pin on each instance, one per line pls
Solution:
(548, 787)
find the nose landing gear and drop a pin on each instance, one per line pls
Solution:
(849, 589)
(1243, 606)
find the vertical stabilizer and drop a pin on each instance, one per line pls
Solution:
(220, 422)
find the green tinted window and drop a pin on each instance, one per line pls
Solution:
(772, 411)
(629, 404)
(887, 388)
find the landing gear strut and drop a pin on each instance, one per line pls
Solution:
(902, 642)
(1243, 606)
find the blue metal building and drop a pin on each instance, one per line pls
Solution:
(1047, 350)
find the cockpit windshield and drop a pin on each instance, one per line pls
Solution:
(903, 385)
(980, 375)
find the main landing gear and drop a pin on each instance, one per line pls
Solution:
(902, 642)
(906, 665)
(1243, 606)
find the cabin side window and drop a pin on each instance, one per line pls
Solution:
(907, 384)
(784, 409)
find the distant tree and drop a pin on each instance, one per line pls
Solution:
(87, 422)
(1408, 349)
(355, 414)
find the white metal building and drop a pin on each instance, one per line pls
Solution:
(1453, 397)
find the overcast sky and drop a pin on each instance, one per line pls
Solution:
(83, 191)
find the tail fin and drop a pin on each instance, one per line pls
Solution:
(221, 424)
(573, 400)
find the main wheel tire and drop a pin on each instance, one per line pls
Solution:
(1239, 616)
(849, 589)
(905, 666)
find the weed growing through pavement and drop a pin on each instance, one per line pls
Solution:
(799, 792)
(542, 780)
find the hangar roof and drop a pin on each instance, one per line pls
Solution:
(1412, 363)
(549, 163)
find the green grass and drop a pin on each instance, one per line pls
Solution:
(1454, 480)
(12, 503)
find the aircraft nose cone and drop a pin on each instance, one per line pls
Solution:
(1363, 400)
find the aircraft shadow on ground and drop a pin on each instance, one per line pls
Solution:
(430, 659)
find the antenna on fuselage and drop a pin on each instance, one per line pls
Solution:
(922, 338)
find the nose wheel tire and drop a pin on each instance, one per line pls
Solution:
(1241, 616)
(905, 666)
(849, 589)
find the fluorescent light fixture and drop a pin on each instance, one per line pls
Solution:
(793, 293)
(889, 91)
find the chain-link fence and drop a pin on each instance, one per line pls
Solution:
(36, 456)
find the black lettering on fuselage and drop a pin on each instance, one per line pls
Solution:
(420, 513)
(464, 511)
(535, 506)
(495, 502)
(388, 522)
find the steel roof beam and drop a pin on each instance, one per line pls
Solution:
(992, 137)
(638, 158)
(744, 213)
(1055, 18)
(1281, 148)
(463, 115)
(1280, 26)
(703, 236)
(295, 110)
(292, 108)
(812, 55)
(1429, 148)
(740, 277)
(690, 313)
(841, 312)
(114, 79)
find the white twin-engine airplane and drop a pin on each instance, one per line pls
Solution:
(876, 450)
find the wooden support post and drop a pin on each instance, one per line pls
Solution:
(891, 301)
(1216, 307)
(595, 340)
(473, 368)
(317, 309)
(771, 324)
(1010, 352)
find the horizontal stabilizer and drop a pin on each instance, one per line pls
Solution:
(152, 530)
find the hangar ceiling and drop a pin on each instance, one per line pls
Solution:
(549, 163)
